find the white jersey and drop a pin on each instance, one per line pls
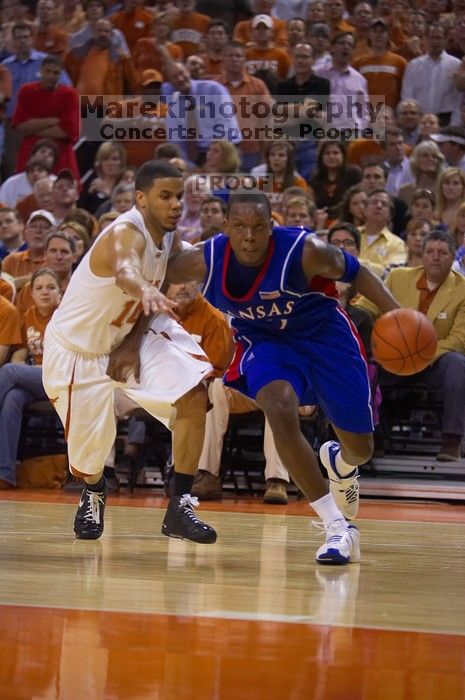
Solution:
(94, 314)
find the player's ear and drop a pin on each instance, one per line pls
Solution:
(141, 199)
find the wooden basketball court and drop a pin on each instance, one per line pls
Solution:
(138, 615)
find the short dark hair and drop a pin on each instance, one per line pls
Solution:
(392, 131)
(155, 170)
(379, 190)
(54, 60)
(20, 27)
(234, 45)
(249, 198)
(217, 23)
(44, 143)
(63, 236)
(215, 200)
(165, 151)
(434, 25)
(438, 235)
(375, 163)
(35, 163)
(351, 230)
(11, 210)
(340, 35)
(98, 2)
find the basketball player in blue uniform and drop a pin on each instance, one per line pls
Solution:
(295, 346)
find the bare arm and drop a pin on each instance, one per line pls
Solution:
(371, 287)
(328, 261)
(53, 132)
(187, 265)
(34, 126)
(119, 255)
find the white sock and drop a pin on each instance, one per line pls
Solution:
(342, 467)
(327, 509)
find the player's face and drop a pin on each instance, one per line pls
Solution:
(249, 229)
(162, 204)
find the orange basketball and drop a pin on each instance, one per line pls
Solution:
(403, 341)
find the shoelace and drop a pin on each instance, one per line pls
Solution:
(189, 502)
(331, 535)
(93, 506)
(351, 492)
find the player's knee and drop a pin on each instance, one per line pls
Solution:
(360, 453)
(281, 415)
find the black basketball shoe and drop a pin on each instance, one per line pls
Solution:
(88, 523)
(180, 521)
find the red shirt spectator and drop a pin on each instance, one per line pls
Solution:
(47, 110)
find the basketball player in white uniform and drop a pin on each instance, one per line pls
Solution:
(115, 289)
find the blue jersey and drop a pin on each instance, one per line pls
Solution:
(280, 298)
(289, 328)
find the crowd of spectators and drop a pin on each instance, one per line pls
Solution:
(392, 189)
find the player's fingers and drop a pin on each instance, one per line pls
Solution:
(146, 306)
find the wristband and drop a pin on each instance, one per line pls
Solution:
(352, 268)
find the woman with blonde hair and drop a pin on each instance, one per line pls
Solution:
(110, 161)
(221, 157)
(450, 194)
(457, 228)
(426, 164)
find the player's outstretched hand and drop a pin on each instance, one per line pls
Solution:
(154, 301)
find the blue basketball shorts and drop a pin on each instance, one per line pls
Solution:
(328, 369)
